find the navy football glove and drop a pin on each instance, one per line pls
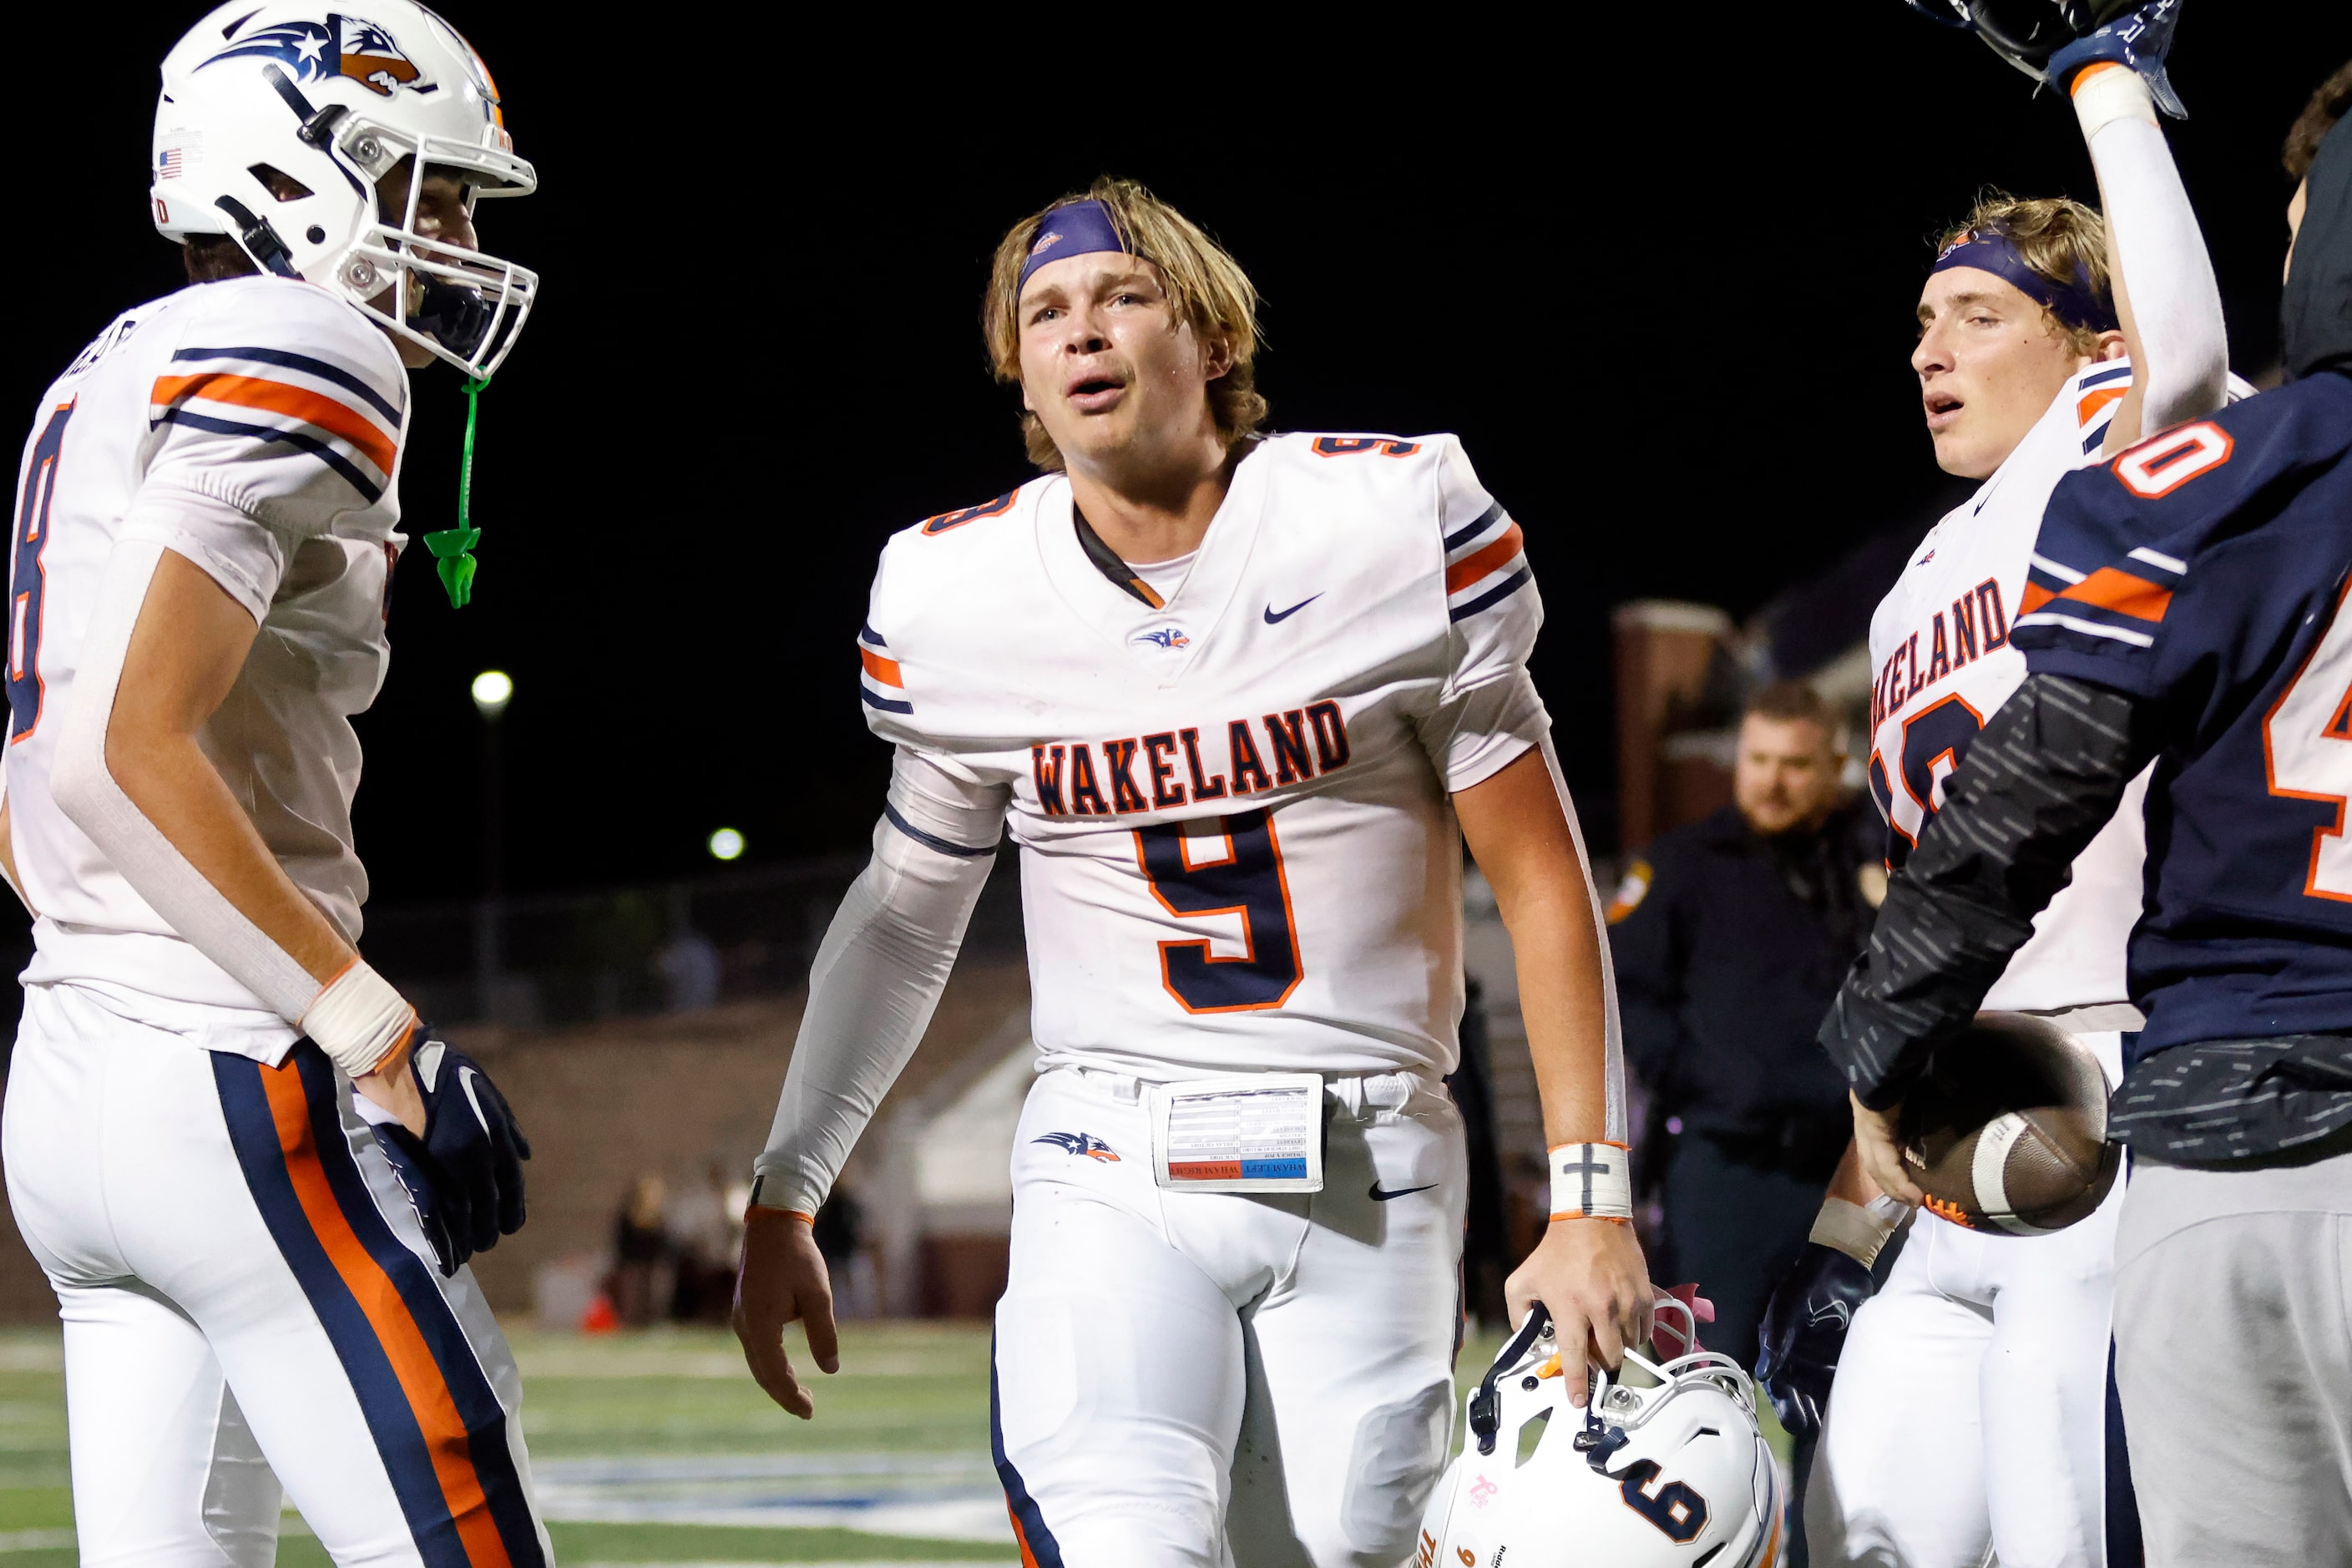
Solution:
(465, 1174)
(1804, 1331)
(2139, 40)
(406, 1157)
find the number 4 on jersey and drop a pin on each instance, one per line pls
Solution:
(26, 576)
(2307, 752)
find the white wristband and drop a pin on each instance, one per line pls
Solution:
(2106, 92)
(1592, 1181)
(1858, 1232)
(359, 1019)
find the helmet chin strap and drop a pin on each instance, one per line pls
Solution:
(1487, 1404)
(260, 240)
(453, 547)
(454, 316)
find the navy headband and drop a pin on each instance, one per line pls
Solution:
(1072, 230)
(2076, 304)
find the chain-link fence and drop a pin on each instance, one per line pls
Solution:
(546, 960)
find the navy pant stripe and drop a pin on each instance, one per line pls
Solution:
(2125, 1548)
(383, 1404)
(1042, 1546)
(469, 1388)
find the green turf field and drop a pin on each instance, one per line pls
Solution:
(658, 1447)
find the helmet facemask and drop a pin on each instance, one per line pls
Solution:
(463, 305)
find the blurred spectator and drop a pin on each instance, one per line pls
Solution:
(1730, 942)
(642, 1254)
(704, 1238)
(841, 1238)
(690, 969)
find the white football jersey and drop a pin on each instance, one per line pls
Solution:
(1237, 847)
(254, 427)
(1939, 644)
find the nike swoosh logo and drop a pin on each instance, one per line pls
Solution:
(1381, 1197)
(1276, 617)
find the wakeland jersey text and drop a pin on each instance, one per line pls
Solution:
(1979, 623)
(1232, 806)
(1300, 743)
(1942, 661)
(254, 427)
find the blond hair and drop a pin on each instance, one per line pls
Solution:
(1207, 291)
(2060, 238)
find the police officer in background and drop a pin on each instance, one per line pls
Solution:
(1730, 940)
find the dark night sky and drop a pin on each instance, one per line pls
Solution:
(1665, 300)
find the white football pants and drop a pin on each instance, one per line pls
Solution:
(248, 1299)
(1212, 1380)
(1967, 1423)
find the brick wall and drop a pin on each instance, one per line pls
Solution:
(603, 1101)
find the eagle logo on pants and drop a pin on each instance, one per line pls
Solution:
(1086, 1144)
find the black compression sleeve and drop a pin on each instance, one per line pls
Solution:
(2040, 781)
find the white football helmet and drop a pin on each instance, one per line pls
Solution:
(333, 102)
(1663, 1466)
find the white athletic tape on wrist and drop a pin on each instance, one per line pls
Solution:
(1592, 1181)
(1860, 1233)
(359, 1019)
(769, 1191)
(2106, 92)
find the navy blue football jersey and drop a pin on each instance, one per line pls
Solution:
(2204, 570)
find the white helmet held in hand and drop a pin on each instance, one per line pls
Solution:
(277, 121)
(1663, 1466)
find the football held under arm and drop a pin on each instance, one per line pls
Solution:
(878, 975)
(2043, 777)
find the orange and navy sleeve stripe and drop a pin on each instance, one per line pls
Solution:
(879, 681)
(1485, 562)
(277, 396)
(2124, 603)
(2096, 393)
(437, 1424)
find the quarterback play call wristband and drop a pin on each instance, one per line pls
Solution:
(1244, 1132)
(1592, 1181)
(358, 1019)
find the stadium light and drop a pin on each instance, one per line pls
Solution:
(726, 844)
(493, 690)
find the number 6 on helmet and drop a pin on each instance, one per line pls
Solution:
(1664, 1465)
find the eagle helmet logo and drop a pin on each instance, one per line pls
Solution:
(340, 46)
